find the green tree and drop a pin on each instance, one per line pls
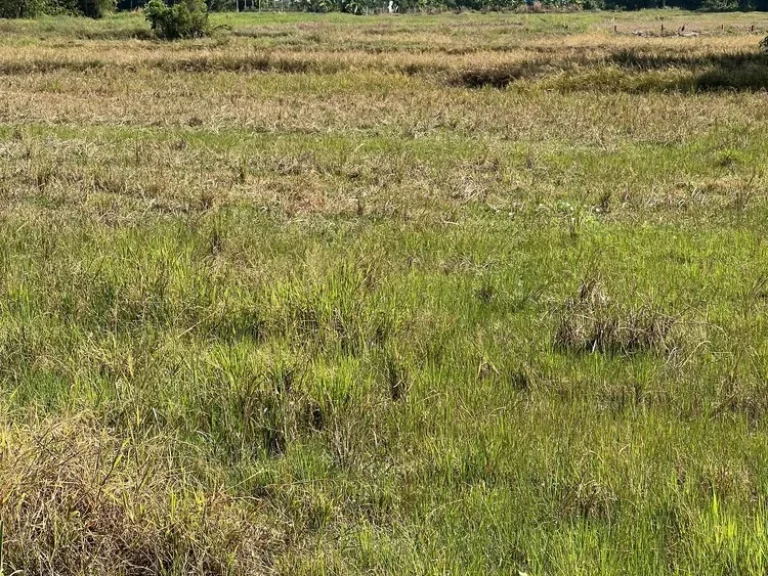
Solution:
(185, 19)
(21, 8)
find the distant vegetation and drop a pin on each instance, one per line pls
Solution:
(33, 8)
(360, 6)
(184, 19)
(97, 8)
(368, 6)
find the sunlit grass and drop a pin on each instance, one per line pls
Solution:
(455, 294)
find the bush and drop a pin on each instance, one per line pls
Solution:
(21, 8)
(96, 8)
(185, 19)
(33, 8)
(89, 8)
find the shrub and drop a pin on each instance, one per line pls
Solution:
(21, 8)
(89, 8)
(33, 8)
(185, 19)
(96, 8)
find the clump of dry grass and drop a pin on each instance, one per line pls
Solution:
(258, 62)
(48, 65)
(76, 499)
(592, 323)
(587, 500)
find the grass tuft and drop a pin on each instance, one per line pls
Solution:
(592, 323)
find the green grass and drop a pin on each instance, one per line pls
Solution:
(294, 300)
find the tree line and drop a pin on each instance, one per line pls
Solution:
(97, 8)
(33, 8)
(368, 6)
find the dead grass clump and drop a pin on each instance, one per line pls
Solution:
(589, 500)
(494, 77)
(252, 63)
(77, 500)
(743, 397)
(592, 323)
(44, 66)
(504, 74)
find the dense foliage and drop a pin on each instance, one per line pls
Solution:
(713, 5)
(97, 8)
(184, 19)
(371, 6)
(33, 8)
(20, 8)
(368, 6)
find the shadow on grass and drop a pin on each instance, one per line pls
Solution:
(631, 71)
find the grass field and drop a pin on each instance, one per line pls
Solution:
(457, 294)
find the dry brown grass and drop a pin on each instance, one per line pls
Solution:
(591, 323)
(236, 85)
(76, 499)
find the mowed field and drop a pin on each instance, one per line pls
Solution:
(455, 294)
